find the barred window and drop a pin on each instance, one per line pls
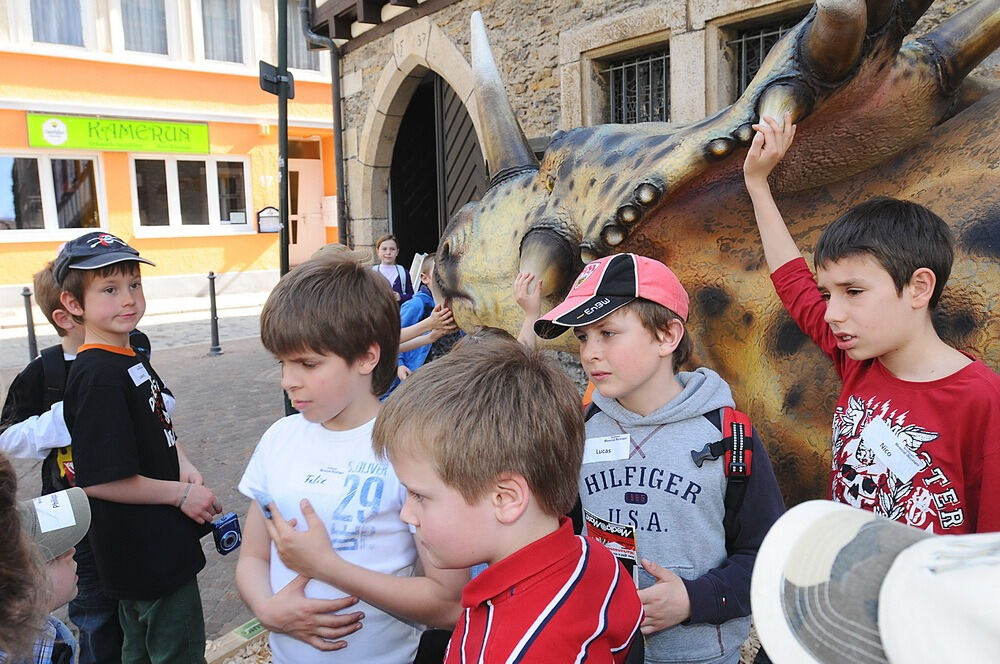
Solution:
(639, 88)
(752, 45)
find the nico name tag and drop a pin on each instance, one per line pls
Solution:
(606, 448)
(897, 457)
(139, 374)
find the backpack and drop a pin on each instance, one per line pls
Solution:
(736, 448)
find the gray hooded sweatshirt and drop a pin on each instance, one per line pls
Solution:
(676, 508)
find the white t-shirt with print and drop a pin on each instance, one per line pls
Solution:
(358, 497)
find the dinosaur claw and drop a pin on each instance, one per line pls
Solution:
(832, 43)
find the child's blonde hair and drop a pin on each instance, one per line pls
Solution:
(490, 407)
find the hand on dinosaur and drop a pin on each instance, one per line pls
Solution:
(530, 300)
(770, 143)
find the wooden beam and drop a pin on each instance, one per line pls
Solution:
(421, 10)
(403, 3)
(369, 11)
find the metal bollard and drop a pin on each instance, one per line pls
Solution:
(215, 348)
(32, 341)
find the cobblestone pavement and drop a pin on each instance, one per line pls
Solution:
(224, 404)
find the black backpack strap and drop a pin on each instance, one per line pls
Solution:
(140, 343)
(576, 513)
(54, 374)
(736, 448)
(590, 410)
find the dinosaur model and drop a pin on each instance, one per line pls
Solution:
(875, 117)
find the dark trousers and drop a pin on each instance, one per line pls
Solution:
(94, 613)
(169, 630)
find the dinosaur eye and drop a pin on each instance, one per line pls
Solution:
(550, 182)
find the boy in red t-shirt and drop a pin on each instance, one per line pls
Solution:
(913, 429)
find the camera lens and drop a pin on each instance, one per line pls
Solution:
(230, 540)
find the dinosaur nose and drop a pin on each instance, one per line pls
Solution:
(548, 255)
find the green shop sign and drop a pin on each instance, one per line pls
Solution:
(83, 133)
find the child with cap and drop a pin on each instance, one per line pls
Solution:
(33, 427)
(838, 585)
(53, 524)
(147, 519)
(654, 465)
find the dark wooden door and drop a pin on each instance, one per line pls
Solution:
(437, 167)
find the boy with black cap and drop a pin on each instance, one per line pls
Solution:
(146, 521)
(654, 465)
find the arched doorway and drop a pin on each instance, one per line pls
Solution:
(437, 167)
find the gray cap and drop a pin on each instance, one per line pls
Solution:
(56, 521)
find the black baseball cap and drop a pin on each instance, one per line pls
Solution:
(91, 251)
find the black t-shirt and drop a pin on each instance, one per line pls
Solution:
(120, 428)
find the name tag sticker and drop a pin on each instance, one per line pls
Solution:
(139, 374)
(54, 512)
(607, 448)
(896, 456)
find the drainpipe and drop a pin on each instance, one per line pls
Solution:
(305, 10)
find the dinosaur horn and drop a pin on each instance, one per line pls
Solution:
(507, 150)
(833, 41)
(964, 40)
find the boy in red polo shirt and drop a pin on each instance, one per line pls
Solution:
(488, 441)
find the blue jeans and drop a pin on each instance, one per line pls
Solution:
(94, 613)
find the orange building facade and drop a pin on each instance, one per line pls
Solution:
(146, 119)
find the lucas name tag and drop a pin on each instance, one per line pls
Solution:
(606, 448)
(896, 456)
(139, 374)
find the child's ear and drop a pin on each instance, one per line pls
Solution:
(921, 287)
(63, 319)
(510, 496)
(367, 362)
(670, 336)
(71, 304)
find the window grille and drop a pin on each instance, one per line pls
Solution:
(752, 46)
(639, 88)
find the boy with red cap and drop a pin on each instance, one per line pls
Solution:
(696, 502)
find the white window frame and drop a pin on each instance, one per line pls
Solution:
(173, 32)
(19, 17)
(175, 227)
(50, 217)
(247, 31)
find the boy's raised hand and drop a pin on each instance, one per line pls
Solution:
(308, 552)
(529, 300)
(666, 602)
(769, 145)
(314, 621)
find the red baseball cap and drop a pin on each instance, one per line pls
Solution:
(610, 283)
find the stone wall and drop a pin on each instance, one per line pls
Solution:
(547, 52)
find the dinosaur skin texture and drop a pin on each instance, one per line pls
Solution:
(876, 117)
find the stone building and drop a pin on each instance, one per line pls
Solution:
(566, 63)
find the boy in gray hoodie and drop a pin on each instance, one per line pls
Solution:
(656, 473)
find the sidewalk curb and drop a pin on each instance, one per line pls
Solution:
(228, 645)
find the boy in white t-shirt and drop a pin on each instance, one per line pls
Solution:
(334, 327)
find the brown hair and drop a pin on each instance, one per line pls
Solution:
(655, 317)
(384, 238)
(76, 280)
(23, 591)
(489, 407)
(47, 291)
(329, 304)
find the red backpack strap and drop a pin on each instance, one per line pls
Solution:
(737, 431)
